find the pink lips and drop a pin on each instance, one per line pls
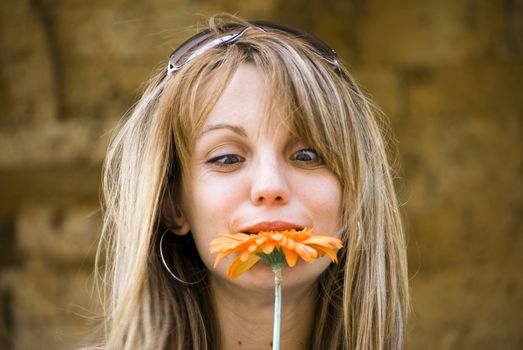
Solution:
(271, 226)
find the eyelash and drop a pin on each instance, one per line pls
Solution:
(307, 151)
(222, 160)
(232, 160)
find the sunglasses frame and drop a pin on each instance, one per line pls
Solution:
(200, 43)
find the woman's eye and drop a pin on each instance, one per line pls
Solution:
(307, 155)
(226, 160)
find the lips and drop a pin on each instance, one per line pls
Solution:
(271, 226)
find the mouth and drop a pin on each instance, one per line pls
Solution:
(271, 226)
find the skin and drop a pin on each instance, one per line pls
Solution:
(247, 168)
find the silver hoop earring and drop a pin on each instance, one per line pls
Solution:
(166, 266)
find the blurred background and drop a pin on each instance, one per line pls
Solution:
(448, 74)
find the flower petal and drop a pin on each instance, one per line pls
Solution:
(291, 256)
(220, 257)
(260, 240)
(244, 256)
(290, 244)
(325, 241)
(238, 266)
(232, 244)
(277, 236)
(268, 246)
(300, 236)
(306, 253)
(329, 251)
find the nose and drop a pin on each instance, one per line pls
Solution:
(269, 184)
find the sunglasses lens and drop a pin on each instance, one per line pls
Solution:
(180, 55)
(318, 45)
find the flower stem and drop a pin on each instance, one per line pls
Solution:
(277, 307)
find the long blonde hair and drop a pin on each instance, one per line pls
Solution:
(362, 302)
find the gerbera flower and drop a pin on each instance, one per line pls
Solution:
(273, 247)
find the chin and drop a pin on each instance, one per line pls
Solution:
(261, 277)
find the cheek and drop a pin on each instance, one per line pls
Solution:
(324, 201)
(326, 198)
(210, 206)
(216, 200)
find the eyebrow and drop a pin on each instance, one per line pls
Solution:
(236, 129)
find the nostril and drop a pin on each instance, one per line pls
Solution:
(269, 190)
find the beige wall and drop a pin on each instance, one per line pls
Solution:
(448, 73)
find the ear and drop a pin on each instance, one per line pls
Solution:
(173, 216)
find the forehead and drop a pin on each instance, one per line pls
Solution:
(244, 94)
(245, 101)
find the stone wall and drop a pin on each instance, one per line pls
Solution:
(449, 75)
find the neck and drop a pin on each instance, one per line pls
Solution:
(245, 317)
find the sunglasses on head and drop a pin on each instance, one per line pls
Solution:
(203, 41)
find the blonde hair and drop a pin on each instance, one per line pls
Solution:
(362, 302)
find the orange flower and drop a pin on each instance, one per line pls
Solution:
(293, 243)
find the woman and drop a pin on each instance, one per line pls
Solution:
(252, 126)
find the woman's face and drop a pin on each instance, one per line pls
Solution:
(249, 173)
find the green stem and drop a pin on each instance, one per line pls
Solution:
(277, 307)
